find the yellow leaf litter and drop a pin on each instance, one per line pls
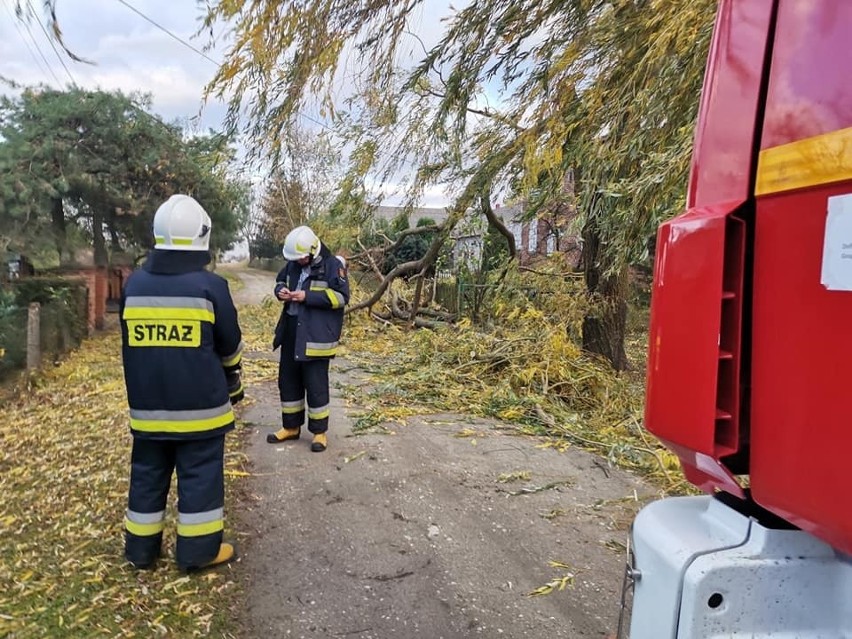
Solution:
(64, 465)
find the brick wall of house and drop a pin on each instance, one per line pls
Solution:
(103, 289)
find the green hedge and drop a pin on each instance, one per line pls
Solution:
(13, 334)
(62, 322)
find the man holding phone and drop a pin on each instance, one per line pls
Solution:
(314, 288)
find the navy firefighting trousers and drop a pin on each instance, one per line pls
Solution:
(298, 379)
(201, 499)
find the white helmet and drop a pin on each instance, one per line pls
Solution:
(301, 242)
(181, 224)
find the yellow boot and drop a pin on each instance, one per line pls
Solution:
(283, 435)
(226, 555)
(320, 443)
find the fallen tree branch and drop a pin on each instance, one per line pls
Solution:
(537, 489)
(401, 269)
(571, 274)
(496, 222)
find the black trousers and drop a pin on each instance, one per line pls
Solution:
(201, 499)
(298, 380)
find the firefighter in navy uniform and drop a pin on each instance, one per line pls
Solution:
(181, 347)
(314, 288)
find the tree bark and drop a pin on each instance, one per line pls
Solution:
(605, 323)
(101, 256)
(57, 221)
(115, 243)
(496, 222)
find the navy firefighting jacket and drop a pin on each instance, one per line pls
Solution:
(180, 338)
(320, 320)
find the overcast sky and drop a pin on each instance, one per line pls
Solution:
(131, 54)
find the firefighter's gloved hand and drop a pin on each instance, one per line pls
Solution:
(235, 386)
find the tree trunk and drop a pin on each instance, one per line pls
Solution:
(57, 221)
(101, 256)
(605, 323)
(115, 243)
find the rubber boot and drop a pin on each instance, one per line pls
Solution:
(320, 443)
(226, 555)
(151, 565)
(283, 435)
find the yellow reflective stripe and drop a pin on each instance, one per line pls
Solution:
(809, 162)
(143, 530)
(335, 297)
(181, 242)
(181, 426)
(292, 410)
(236, 358)
(197, 530)
(164, 313)
(320, 352)
(236, 392)
(320, 415)
(319, 285)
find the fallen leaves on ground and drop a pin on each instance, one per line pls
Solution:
(557, 583)
(64, 470)
(521, 365)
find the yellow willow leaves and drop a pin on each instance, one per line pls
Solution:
(522, 366)
(556, 584)
(64, 467)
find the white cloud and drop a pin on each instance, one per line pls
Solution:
(129, 53)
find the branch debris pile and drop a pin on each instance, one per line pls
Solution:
(520, 365)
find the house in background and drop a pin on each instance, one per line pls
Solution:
(540, 237)
(103, 283)
(16, 267)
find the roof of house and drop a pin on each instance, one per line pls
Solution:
(438, 215)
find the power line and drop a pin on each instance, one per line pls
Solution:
(41, 53)
(202, 54)
(53, 46)
(164, 30)
(24, 40)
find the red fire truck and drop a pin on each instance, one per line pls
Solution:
(751, 327)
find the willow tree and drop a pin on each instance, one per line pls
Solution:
(608, 89)
(513, 94)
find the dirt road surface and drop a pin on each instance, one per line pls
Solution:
(413, 534)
